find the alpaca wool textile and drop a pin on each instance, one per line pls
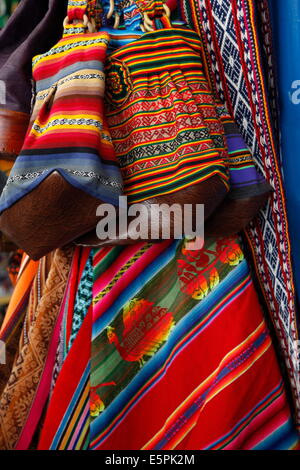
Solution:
(231, 41)
(67, 131)
(153, 308)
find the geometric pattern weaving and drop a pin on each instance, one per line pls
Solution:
(230, 34)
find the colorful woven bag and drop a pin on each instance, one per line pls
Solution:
(176, 143)
(167, 135)
(67, 165)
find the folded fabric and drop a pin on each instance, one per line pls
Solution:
(245, 181)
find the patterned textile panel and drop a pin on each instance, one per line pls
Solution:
(162, 117)
(45, 298)
(234, 64)
(264, 24)
(154, 379)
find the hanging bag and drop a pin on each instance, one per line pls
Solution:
(67, 165)
(175, 141)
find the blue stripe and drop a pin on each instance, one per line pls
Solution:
(245, 418)
(283, 438)
(24, 159)
(81, 66)
(93, 187)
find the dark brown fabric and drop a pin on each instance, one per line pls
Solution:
(223, 216)
(234, 215)
(51, 216)
(56, 213)
(210, 193)
(6, 245)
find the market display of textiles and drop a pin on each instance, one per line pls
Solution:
(146, 344)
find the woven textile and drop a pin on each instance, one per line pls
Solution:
(244, 179)
(11, 327)
(17, 418)
(163, 120)
(67, 132)
(233, 62)
(142, 372)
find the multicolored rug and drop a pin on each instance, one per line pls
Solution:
(231, 36)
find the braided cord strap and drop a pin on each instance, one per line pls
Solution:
(82, 15)
(155, 13)
(95, 12)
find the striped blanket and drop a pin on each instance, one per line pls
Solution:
(162, 348)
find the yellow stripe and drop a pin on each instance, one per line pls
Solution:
(147, 60)
(134, 199)
(54, 129)
(83, 435)
(158, 41)
(72, 423)
(163, 67)
(158, 78)
(166, 182)
(169, 180)
(58, 55)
